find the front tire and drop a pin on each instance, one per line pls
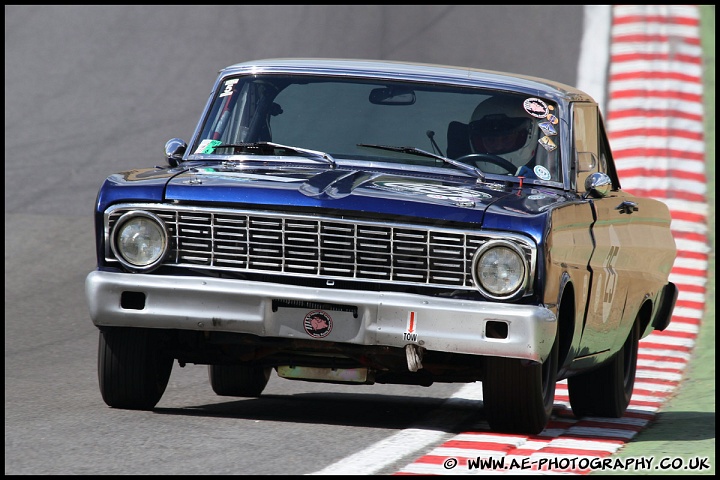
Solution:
(132, 370)
(606, 392)
(519, 397)
(238, 380)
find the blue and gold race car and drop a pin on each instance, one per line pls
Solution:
(358, 221)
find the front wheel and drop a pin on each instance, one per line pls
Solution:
(238, 380)
(132, 370)
(518, 397)
(606, 391)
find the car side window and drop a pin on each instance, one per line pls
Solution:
(586, 149)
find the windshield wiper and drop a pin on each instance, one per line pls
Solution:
(307, 153)
(476, 172)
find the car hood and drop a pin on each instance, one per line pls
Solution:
(341, 191)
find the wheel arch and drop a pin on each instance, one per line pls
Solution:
(569, 330)
(644, 315)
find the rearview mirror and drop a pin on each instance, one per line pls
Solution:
(392, 96)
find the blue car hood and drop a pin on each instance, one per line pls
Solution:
(442, 198)
(382, 196)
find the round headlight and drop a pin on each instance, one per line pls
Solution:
(499, 269)
(139, 240)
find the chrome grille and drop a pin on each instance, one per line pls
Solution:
(322, 247)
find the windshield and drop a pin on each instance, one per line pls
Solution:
(346, 118)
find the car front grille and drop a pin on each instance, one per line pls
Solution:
(313, 246)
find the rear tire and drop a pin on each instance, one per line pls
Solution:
(132, 371)
(606, 392)
(238, 380)
(519, 397)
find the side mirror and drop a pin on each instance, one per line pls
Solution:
(598, 184)
(174, 150)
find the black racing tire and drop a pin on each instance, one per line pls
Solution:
(238, 380)
(132, 370)
(489, 158)
(518, 396)
(606, 391)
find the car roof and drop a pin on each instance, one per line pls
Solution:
(412, 71)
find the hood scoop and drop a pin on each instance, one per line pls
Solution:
(335, 184)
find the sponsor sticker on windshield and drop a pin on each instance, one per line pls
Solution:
(547, 128)
(536, 107)
(207, 146)
(542, 172)
(548, 144)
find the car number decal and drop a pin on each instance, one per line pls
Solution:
(229, 87)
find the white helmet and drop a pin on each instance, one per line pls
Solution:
(501, 126)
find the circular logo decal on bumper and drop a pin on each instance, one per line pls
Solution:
(318, 324)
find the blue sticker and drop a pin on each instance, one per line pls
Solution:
(547, 128)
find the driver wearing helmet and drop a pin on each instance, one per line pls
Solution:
(500, 126)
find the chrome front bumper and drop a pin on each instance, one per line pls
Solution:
(284, 311)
